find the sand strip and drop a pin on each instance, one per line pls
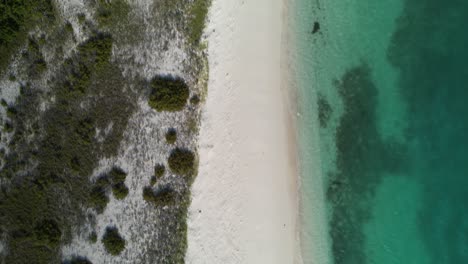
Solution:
(244, 204)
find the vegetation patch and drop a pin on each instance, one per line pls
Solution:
(53, 154)
(159, 170)
(48, 232)
(198, 13)
(98, 198)
(182, 161)
(168, 94)
(46, 187)
(120, 191)
(17, 17)
(171, 136)
(162, 197)
(110, 13)
(92, 237)
(153, 180)
(78, 260)
(117, 175)
(195, 100)
(97, 50)
(115, 179)
(113, 242)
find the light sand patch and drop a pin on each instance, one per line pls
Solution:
(244, 205)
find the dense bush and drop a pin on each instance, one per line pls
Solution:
(161, 197)
(16, 18)
(120, 191)
(86, 130)
(168, 94)
(148, 194)
(195, 100)
(78, 260)
(113, 242)
(55, 152)
(159, 170)
(153, 180)
(97, 50)
(117, 175)
(92, 237)
(182, 161)
(48, 232)
(111, 13)
(171, 136)
(8, 127)
(98, 198)
(198, 15)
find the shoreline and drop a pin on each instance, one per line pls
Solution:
(313, 237)
(245, 199)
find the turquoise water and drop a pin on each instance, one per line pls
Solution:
(383, 103)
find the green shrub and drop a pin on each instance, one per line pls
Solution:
(113, 242)
(198, 13)
(182, 161)
(98, 198)
(117, 175)
(171, 136)
(111, 13)
(8, 127)
(120, 191)
(159, 170)
(168, 94)
(162, 197)
(195, 100)
(148, 194)
(86, 130)
(11, 112)
(97, 50)
(192, 124)
(16, 18)
(102, 182)
(48, 232)
(39, 66)
(78, 260)
(69, 27)
(92, 237)
(11, 77)
(153, 180)
(81, 18)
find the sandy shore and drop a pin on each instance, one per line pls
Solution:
(244, 204)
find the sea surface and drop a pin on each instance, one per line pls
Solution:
(383, 130)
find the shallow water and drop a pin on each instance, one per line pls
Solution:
(383, 88)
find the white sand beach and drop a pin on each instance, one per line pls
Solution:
(244, 200)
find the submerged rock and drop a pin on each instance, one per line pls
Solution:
(316, 27)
